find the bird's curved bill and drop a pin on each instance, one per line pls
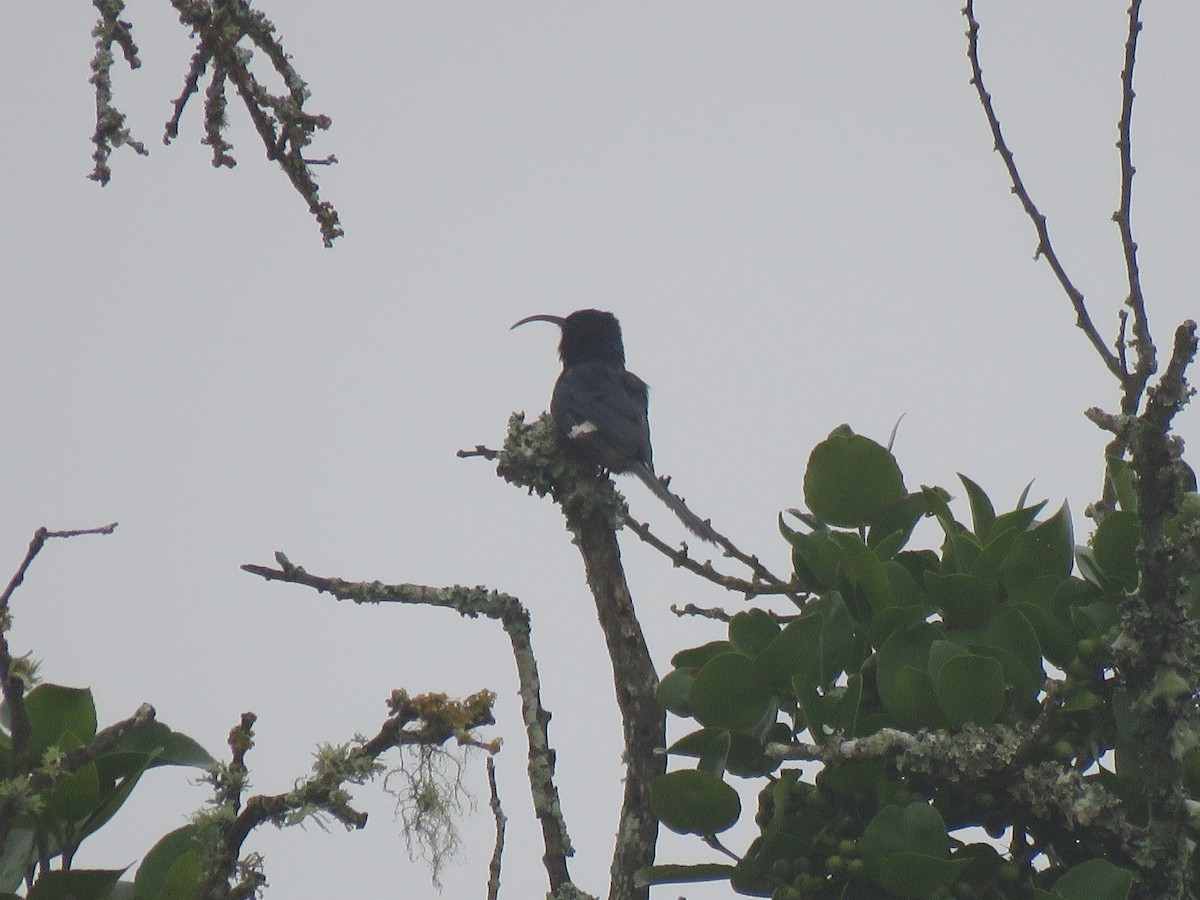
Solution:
(556, 320)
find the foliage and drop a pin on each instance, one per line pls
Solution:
(918, 681)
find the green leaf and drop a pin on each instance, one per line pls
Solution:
(54, 711)
(729, 692)
(1114, 547)
(962, 599)
(693, 802)
(990, 561)
(1120, 472)
(169, 866)
(696, 657)
(915, 875)
(1096, 879)
(705, 744)
(747, 756)
(887, 622)
(864, 569)
(916, 828)
(75, 794)
(794, 653)
(970, 688)
(905, 590)
(164, 746)
(752, 630)
(674, 692)
(902, 677)
(76, 884)
(20, 854)
(815, 559)
(1058, 640)
(1045, 549)
(851, 479)
(983, 514)
(893, 526)
(679, 874)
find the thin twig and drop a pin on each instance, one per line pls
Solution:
(493, 889)
(1135, 383)
(514, 618)
(764, 582)
(1045, 248)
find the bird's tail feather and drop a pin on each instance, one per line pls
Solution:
(690, 520)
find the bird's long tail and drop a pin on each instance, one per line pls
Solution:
(690, 520)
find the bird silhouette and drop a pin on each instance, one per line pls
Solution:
(600, 408)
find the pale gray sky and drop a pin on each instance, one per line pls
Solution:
(792, 207)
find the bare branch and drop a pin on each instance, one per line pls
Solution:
(493, 890)
(1147, 363)
(1044, 248)
(514, 618)
(763, 582)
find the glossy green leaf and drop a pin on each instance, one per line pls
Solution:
(20, 854)
(696, 657)
(915, 875)
(901, 674)
(1020, 518)
(164, 746)
(1120, 472)
(796, 652)
(815, 559)
(983, 513)
(747, 757)
(707, 743)
(839, 646)
(55, 711)
(887, 622)
(1115, 546)
(674, 692)
(693, 802)
(1047, 548)
(167, 868)
(904, 588)
(990, 561)
(76, 884)
(729, 692)
(962, 599)
(970, 688)
(75, 794)
(864, 569)
(752, 630)
(893, 525)
(917, 828)
(1057, 639)
(850, 479)
(1096, 879)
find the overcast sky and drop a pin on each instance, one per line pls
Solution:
(792, 207)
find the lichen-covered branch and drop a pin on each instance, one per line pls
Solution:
(223, 29)
(514, 618)
(427, 721)
(594, 511)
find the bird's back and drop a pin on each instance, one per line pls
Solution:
(600, 411)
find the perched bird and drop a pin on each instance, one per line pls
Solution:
(600, 408)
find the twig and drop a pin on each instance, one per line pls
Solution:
(1045, 248)
(1135, 382)
(514, 618)
(764, 581)
(493, 889)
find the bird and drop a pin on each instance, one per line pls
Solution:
(601, 409)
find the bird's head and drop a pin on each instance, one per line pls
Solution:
(588, 335)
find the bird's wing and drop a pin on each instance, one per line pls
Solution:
(601, 411)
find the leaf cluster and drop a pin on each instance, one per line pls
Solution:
(916, 683)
